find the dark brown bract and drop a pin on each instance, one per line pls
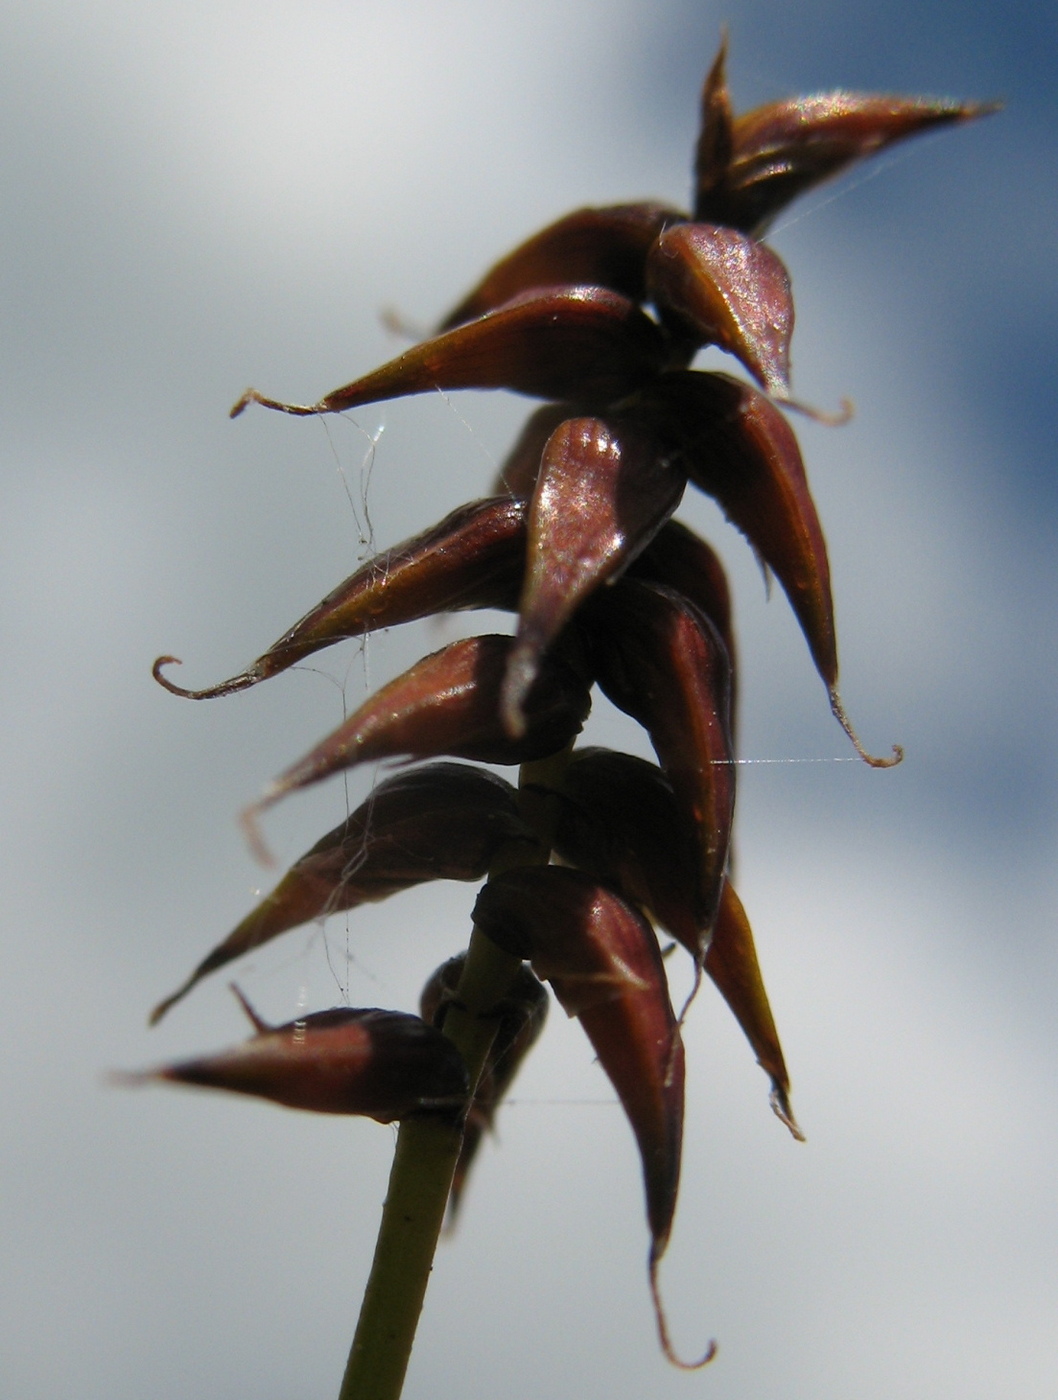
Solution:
(601, 315)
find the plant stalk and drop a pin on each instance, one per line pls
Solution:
(428, 1148)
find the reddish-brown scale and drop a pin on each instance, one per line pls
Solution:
(448, 703)
(662, 661)
(381, 1064)
(732, 964)
(602, 959)
(443, 821)
(605, 488)
(473, 559)
(590, 247)
(568, 342)
(520, 468)
(728, 290)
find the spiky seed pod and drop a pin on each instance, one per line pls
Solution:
(472, 559)
(604, 489)
(570, 342)
(448, 703)
(661, 661)
(602, 959)
(600, 314)
(443, 821)
(590, 247)
(720, 287)
(380, 1064)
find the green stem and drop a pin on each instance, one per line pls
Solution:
(428, 1148)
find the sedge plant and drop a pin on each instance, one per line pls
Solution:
(592, 854)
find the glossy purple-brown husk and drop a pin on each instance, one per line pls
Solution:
(382, 1064)
(663, 662)
(749, 168)
(602, 959)
(726, 289)
(473, 559)
(605, 488)
(680, 559)
(566, 342)
(742, 452)
(620, 822)
(448, 703)
(441, 821)
(590, 247)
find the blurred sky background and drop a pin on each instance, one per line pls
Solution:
(197, 197)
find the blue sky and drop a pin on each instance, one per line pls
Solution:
(200, 197)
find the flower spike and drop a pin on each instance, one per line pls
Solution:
(600, 314)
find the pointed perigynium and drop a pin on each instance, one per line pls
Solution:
(722, 288)
(663, 662)
(472, 559)
(440, 821)
(384, 1065)
(605, 487)
(569, 342)
(601, 957)
(521, 1014)
(620, 823)
(680, 559)
(590, 247)
(740, 450)
(748, 168)
(448, 703)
